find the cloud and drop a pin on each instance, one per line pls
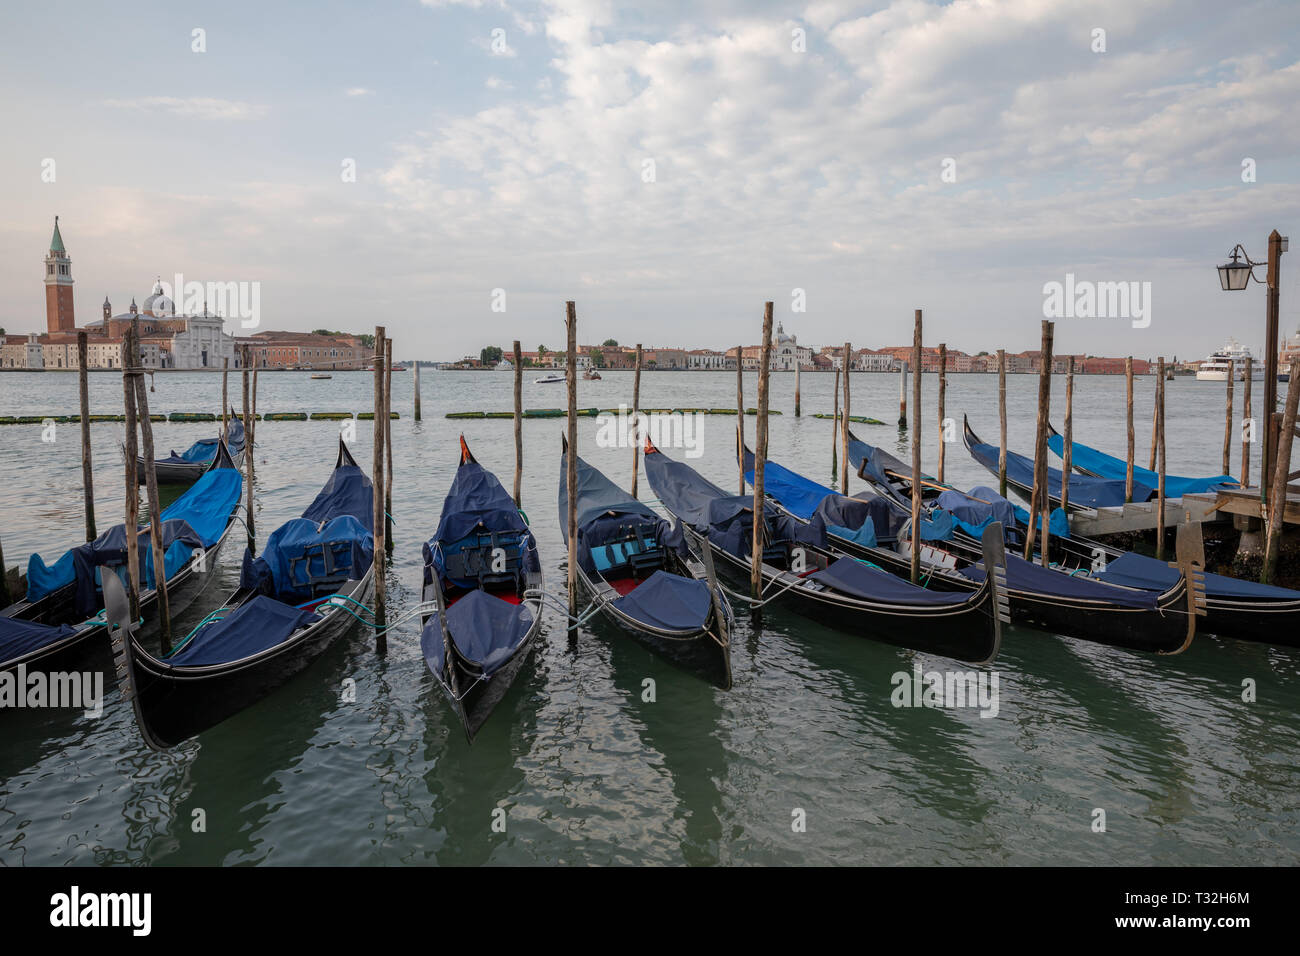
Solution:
(359, 91)
(198, 106)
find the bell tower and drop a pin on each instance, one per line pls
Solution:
(58, 286)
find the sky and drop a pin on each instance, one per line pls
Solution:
(670, 166)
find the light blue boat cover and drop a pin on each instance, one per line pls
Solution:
(669, 602)
(22, 637)
(1084, 491)
(205, 449)
(486, 629)
(1140, 571)
(1099, 463)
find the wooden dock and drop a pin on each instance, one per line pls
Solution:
(1096, 522)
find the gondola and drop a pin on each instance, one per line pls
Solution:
(292, 603)
(1046, 598)
(483, 575)
(1085, 492)
(827, 585)
(59, 624)
(187, 467)
(638, 570)
(1097, 464)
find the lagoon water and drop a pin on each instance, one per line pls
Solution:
(586, 770)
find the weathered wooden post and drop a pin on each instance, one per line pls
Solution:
(87, 473)
(132, 455)
(1002, 417)
(1132, 444)
(796, 383)
(151, 492)
(1281, 476)
(740, 414)
(1068, 456)
(1040, 501)
(250, 436)
(4, 580)
(571, 475)
(388, 443)
(760, 462)
(835, 430)
(844, 423)
(1160, 477)
(418, 416)
(943, 387)
(916, 448)
(1155, 415)
(902, 394)
(1245, 444)
(248, 454)
(377, 494)
(519, 422)
(225, 398)
(636, 411)
(1227, 423)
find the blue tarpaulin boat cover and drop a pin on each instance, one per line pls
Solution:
(1099, 463)
(109, 550)
(668, 601)
(22, 637)
(205, 449)
(1139, 571)
(1024, 575)
(976, 511)
(871, 462)
(798, 495)
(608, 513)
(477, 503)
(205, 508)
(486, 630)
(726, 519)
(256, 626)
(852, 519)
(1084, 491)
(299, 555)
(861, 580)
(347, 492)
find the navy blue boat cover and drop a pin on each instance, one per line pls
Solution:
(347, 492)
(726, 519)
(668, 601)
(876, 461)
(861, 580)
(197, 518)
(300, 554)
(1099, 463)
(22, 637)
(1024, 575)
(485, 629)
(979, 509)
(864, 519)
(205, 449)
(261, 623)
(1084, 491)
(1139, 571)
(477, 502)
(607, 512)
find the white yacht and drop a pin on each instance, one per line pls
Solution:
(1215, 368)
(505, 365)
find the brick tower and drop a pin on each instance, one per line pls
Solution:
(58, 286)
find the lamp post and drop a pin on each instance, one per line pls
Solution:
(1234, 276)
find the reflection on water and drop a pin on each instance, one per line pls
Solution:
(576, 764)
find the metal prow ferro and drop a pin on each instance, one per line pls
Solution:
(994, 547)
(1190, 554)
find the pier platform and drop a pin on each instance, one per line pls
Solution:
(1141, 516)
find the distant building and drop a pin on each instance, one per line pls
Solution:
(281, 350)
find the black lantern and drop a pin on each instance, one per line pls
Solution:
(1235, 275)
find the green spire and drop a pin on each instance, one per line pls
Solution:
(56, 243)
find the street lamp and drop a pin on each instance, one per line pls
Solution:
(1234, 276)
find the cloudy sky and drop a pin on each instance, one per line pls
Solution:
(669, 165)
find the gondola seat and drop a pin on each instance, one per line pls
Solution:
(485, 560)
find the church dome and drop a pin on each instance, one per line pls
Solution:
(158, 303)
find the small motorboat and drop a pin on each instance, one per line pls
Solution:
(548, 379)
(322, 376)
(591, 375)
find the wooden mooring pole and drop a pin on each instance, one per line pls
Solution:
(1002, 418)
(760, 462)
(378, 519)
(740, 414)
(796, 384)
(1245, 436)
(151, 492)
(225, 398)
(1132, 444)
(132, 456)
(571, 475)
(902, 394)
(1227, 422)
(844, 423)
(916, 447)
(1160, 477)
(636, 411)
(388, 442)
(417, 383)
(1155, 415)
(1040, 501)
(519, 422)
(1282, 476)
(248, 454)
(1067, 457)
(4, 580)
(835, 430)
(250, 436)
(87, 472)
(943, 387)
